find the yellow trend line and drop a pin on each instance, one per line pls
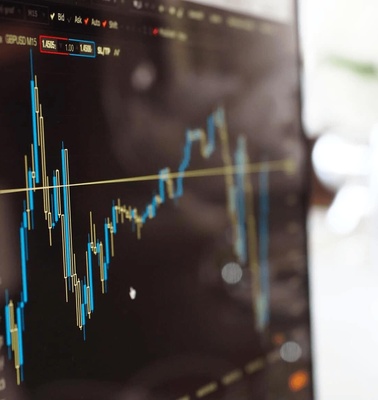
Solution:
(286, 165)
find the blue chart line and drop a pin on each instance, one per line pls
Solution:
(99, 252)
(263, 314)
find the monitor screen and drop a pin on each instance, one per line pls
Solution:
(153, 193)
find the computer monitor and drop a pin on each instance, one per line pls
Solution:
(153, 194)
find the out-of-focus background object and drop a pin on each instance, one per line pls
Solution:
(340, 115)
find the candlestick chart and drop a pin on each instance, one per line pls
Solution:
(153, 199)
(48, 192)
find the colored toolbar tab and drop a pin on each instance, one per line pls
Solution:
(67, 47)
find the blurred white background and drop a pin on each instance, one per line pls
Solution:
(340, 54)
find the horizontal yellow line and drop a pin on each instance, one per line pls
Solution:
(287, 165)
